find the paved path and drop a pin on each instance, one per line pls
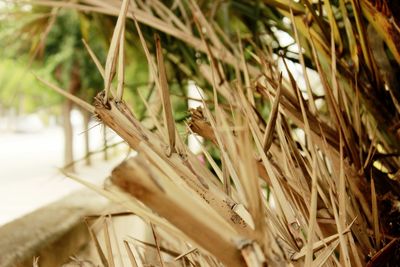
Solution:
(29, 176)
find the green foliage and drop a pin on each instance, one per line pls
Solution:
(64, 51)
(18, 83)
(56, 56)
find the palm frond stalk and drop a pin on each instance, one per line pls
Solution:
(292, 176)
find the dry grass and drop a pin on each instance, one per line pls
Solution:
(276, 199)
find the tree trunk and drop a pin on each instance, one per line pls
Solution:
(73, 88)
(68, 136)
(86, 119)
(105, 155)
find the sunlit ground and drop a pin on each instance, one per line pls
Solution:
(30, 158)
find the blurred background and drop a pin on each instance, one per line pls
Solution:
(41, 132)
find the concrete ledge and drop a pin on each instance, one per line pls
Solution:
(52, 233)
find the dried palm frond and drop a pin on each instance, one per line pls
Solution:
(300, 187)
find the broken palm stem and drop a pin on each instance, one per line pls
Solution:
(183, 168)
(178, 206)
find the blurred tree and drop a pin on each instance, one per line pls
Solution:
(50, 40)
(53, 38)
(65, 58)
